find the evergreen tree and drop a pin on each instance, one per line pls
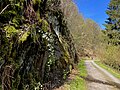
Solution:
(113, 22)
(113, 12)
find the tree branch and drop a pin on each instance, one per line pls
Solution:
(4, 8)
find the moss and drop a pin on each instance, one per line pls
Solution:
(14, 54)
(16, 82)
(36, 1)
(35, 38)
(28, 58)
(10, 30)
(17, 21)
(67, 57)
(45, 25)
(65, 73)
(24, 36)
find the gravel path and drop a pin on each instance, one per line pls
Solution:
(100, 79)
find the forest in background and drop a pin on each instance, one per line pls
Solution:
(41, 40)
(93, 42)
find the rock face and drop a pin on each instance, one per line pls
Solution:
(36, 47)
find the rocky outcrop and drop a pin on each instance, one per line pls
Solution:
(37, 50)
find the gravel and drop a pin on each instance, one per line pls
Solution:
(99, 74)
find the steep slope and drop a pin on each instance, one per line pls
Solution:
(36, 47)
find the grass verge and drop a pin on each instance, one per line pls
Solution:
(79, 83)
(109, 69)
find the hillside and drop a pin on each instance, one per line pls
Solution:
(43, 41)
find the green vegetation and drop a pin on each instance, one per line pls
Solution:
(110, 56)
(110, 49)
(24, 36)
(86, 32)
(78, 83)
(113, 11)
(90, 41)
(10, 30)
(82, 68)
(36, 46)
(113, 71)
(40, 41)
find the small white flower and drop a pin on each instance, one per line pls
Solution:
(44, 36)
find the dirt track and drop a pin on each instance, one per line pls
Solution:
(100, 79)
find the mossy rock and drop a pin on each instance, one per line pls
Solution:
(10, 30)
(24, 36)
(45, 25)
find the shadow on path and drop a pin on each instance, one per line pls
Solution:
(91, 79)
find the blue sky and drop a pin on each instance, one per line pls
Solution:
(94, 9)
